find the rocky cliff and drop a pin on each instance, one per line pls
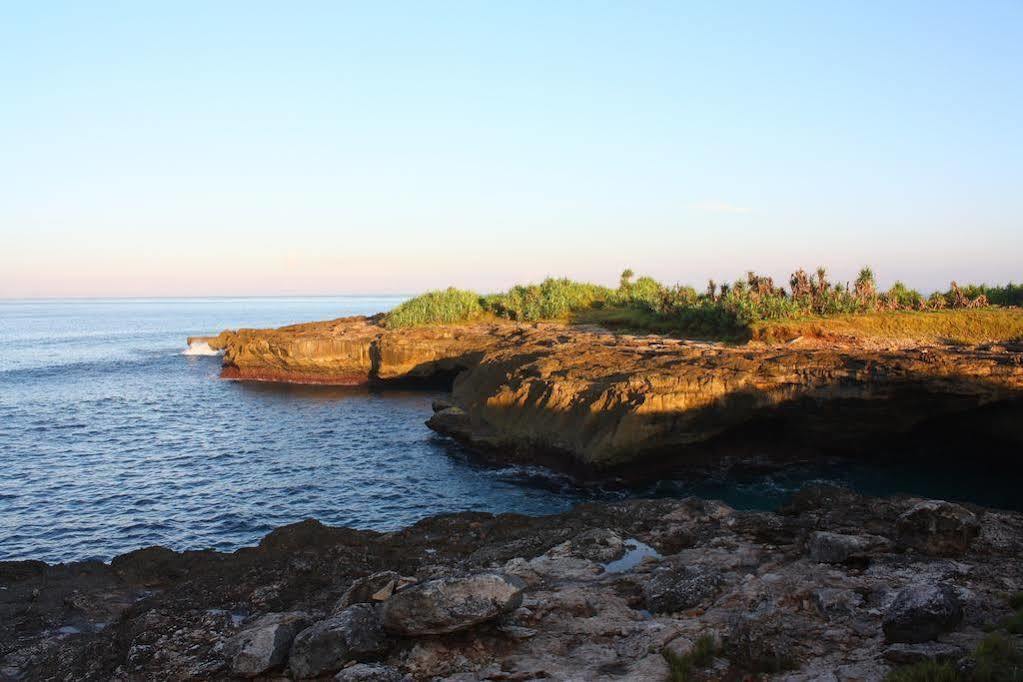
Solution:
(589, 399)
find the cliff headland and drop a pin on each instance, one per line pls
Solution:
(594, 401)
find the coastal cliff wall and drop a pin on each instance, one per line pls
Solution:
(600, 400)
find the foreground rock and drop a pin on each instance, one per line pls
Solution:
(352, 635)
(447, 605)
(263, 646)
(590, 400)
(593, 594)
(922, 612)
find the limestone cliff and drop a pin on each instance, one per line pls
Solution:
(599, 400)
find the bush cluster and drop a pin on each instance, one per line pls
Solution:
(721, 309)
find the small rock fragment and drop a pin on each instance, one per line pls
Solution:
(376, 587)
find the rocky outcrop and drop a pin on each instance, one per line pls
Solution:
(594, 401)
(597, 593)
(352, 351)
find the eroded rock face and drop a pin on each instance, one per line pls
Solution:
(352, 635)
(263, 646)
(922, 612)
(349, 351)
(595, 401)
(938, 527)
(451, 604)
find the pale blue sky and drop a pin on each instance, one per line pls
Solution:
(263, 148)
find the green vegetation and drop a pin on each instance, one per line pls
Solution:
(681, 667)
(752, 307)
(966, 326)
(1008, 295)
(437, 307)
(997, 659)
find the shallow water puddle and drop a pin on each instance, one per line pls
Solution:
(635, 553)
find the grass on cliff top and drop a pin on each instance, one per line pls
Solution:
(437, 307)
(966, 326)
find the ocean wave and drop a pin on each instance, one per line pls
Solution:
(199, 348)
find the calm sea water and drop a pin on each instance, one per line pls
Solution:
(111, 439)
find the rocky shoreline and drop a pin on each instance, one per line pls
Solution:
(596, 403)
(833, 586)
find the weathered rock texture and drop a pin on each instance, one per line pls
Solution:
(596, 400)
(558, 598)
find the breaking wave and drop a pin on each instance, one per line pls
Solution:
(199, 348)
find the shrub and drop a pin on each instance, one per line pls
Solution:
(551, 299)
(1008, 295)
(997, 659)
(901, 297)
(437, 307)
(681, 667)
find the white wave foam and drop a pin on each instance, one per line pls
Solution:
(199, 348)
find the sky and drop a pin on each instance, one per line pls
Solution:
(263, 148)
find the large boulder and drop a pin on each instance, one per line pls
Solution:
(263, 645)
(920, 613)
(675, 587)
(352, 635)
(937, 527)
(451, 604)
(837, 548)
